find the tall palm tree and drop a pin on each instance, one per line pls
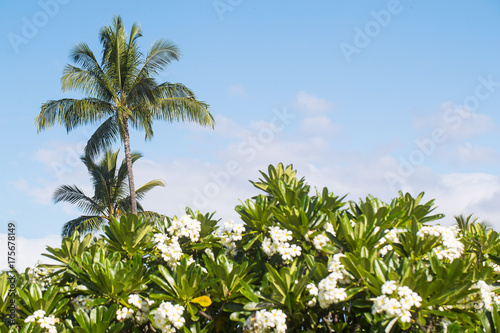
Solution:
(122, 89)
(111, 195)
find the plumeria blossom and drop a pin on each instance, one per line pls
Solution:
(396, 301)
(328, 292)
(230, 233)
(185, 226)
(279, 243)
(124, 313)
(320, 240)
(169, 317)
(313, 290)
(334, 265)
(450, 246)
(143, 306)
(391, 235)
(82, 302)
(264, 321)
(40, 276)
(46, 322)
(168, 244)
(483, 299)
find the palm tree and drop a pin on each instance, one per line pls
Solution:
(121, 89)
(111, 195)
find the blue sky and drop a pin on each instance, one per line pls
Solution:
(365, 97)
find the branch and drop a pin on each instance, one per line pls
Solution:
(207, 316)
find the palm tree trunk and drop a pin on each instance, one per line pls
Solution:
(128, 157)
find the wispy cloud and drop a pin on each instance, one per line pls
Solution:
(310, 104)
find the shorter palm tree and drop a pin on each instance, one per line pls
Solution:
(111, 194)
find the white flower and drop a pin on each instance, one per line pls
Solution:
(295, 250)
(267, 246)
(168, 315)
(124, 313)
(135, 300)
(329, 228)
(328, 293)
(450, 246)
(404, 291)
(389, 287)
(263, 321)
(406, 303)
(313, 290)
(398, 306)
(405, 317)
(416, 299)
(39, 314)
(319, 241)
(29, 319)
(393, 307)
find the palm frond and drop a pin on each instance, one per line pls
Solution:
(182, 109)
(90, 82)
(151, 215)
(143, 120)
(103, 137)
(75, 196)
(83, 224)
(72, 112)
(162, 53)
(141, 191)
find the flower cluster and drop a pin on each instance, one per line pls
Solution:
(483, 299)
(396, 301)
(264, 321)
(230, 233)
(185, 226)
(49, 323)
(320, 240)
(40, 276)
(327, 291)
(168, 317)
(313, 291)
(170, 248)
(335, 266)
(451, 247)
(169, 245)
(278, 243)
(124, 313)
(391, 235)
(82, 302)
(143, 306)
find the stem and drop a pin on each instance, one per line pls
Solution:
(327, 321)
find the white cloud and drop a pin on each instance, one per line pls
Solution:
(60, 164)
(457, 122)
(310, 104)
(319, 125)
(469, 153)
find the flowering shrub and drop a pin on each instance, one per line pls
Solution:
(294, 262)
